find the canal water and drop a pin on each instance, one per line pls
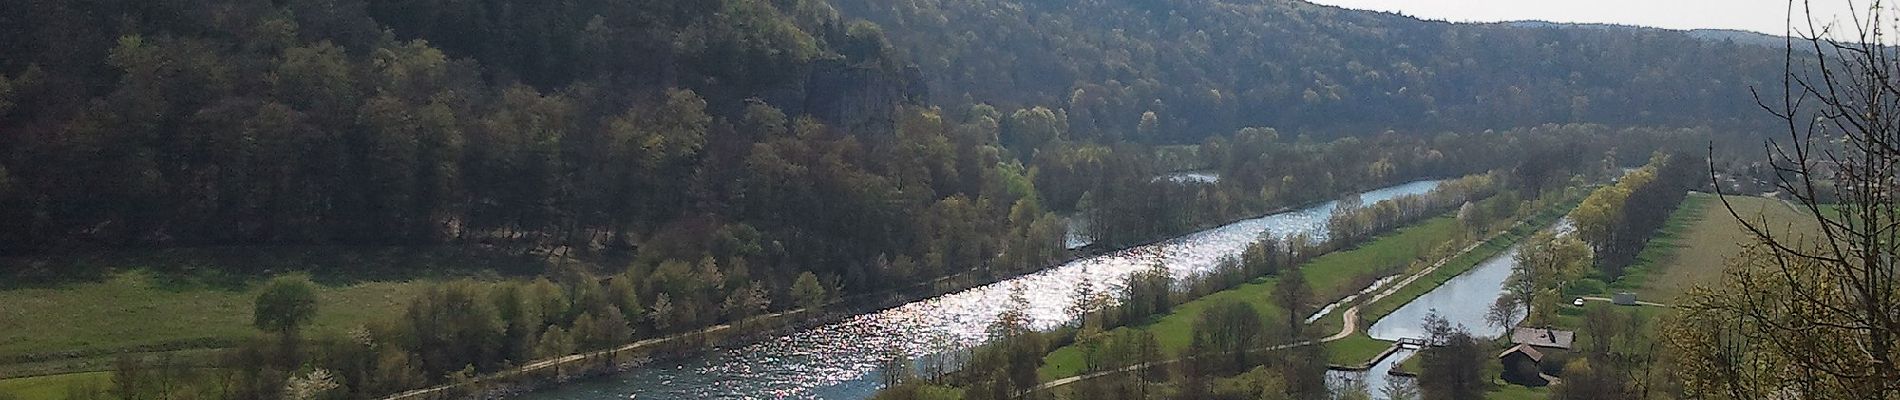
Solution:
(1463, 301)
(841, 360)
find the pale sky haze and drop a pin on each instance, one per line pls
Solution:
(1765, 16)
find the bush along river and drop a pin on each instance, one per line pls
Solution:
(1462, 300)
(842, 360)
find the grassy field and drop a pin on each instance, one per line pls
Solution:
(83, 326)
(134, 312)
(75, 313)
(1328, 274)
(1698, 241)
(51, 387)
(1505, 391)
(1354, 350)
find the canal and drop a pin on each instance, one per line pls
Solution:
(1464, 300)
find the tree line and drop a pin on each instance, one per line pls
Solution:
(1617, 220)
(450, 332)
(1353, 221)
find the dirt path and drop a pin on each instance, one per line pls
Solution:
(1640, 303)
(1351, 317)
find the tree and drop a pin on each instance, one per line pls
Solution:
(1545, 264)
(1147, 294)
(1228, 330)
(745, 302)
(1149, 126)
(1585, 379)
(555, 342)
(897, 368)
(1292, 294)
(519, 318)
(1503, 312)
(129, 376)
(284, 307)
(1471, 217)
(1028, 130)
(453, 326)
(1824, 302)
(586, 332)
(1016, 348)
(312, 385)
(1260, 383)
(808, 292)
(1355, 389)
(1453, 368)
(611, 328)
(6, 95)
(396, 371)
(1084, 302)
(664, 314)
(621, 293)
(1400, 389)
(1304, 369)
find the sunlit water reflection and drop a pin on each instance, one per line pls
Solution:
(1191, 177)
(1077, 235)
(842, 360)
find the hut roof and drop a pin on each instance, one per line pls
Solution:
(1528, 351)
(1544, 337)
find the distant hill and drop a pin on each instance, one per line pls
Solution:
(1739, 36)
(1714, 35)
(168, 122)
(1209, 66)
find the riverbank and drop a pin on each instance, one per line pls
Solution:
(1330, 273)
(775, 324)
(955, 308)
(1092, 246)
(162, 303)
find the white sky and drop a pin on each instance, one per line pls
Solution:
(1766, 16)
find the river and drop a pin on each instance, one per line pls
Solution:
(841, 360)
(1197, 176)
(1462, 300)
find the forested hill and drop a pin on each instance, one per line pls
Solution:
(797, 55)
(409, 121)
(788, 131)
(1208, 66)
